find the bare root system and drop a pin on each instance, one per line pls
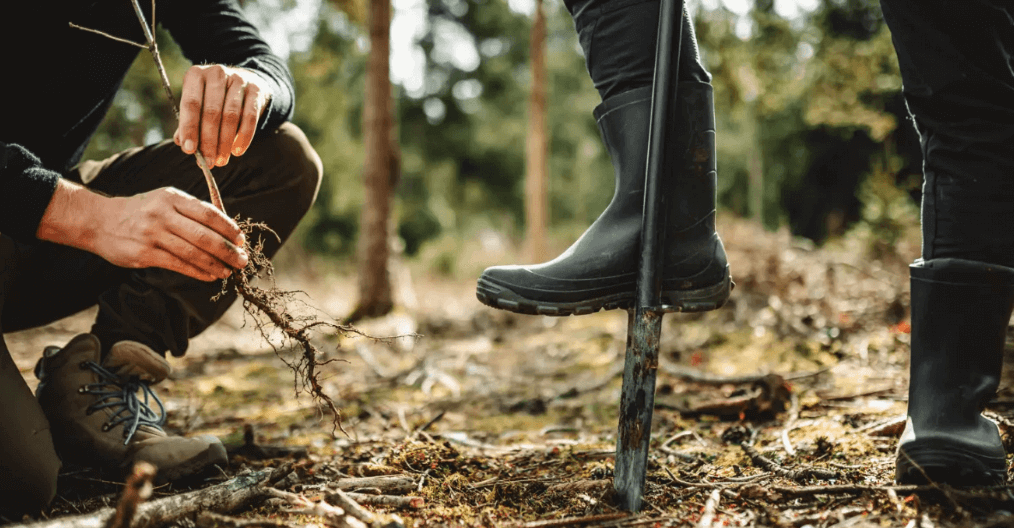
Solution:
(270, 309)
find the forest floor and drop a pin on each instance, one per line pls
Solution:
(780, 409)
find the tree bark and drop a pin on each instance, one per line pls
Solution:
(374, 279)
(536, 146)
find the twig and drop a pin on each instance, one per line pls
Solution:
(791, 421)
(107, 35)
(216, 520)
(137, 490)
(800, 474)
(574, 521)
(432, 421)
(389, 501)
(343, 501)
(581, 486)
(708, 517)
(332, 515)
(393, 484)
(889, 427)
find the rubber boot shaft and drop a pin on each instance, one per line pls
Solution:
(960, 312)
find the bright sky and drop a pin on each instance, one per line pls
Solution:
(294, 32)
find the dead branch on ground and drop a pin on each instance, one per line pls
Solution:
(767, 464)
(228, 496)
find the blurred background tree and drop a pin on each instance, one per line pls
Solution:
(812, 130)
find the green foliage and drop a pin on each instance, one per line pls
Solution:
(789, 98)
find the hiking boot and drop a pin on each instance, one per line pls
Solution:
(600, 270)
(100, 411)
(960, 312)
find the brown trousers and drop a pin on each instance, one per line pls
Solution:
(275, 182)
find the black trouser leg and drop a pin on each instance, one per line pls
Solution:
(28, 462)
(618, 39)
(275, 182)
(958, 73)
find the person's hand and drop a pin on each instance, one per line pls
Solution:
(165, 228)
(219, 110)
(170, 229)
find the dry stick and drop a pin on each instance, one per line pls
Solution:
(137, 490)
(216, 197)
(222, 498)
(344, 501)
(215, 520)
(789, 423)
(331, 515)
(800, 474)
(389, 501)
(575, 521)
(708, 517)
(393, 484)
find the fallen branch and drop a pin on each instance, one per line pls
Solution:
(574, 521)
(708, 517)
(215, 520)
(331, 515)
(389, 501)
(391, 484)
(228, 496)
(344, 501)
(767, 464)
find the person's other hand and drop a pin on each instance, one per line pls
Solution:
(219, 110)
(170, 229)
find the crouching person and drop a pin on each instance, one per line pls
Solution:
(132, 233)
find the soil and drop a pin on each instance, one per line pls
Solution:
(509, 420)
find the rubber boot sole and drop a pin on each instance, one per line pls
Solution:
(699, 300)
(940, 462)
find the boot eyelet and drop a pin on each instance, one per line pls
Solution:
(105, 428)
(82, 390)
(82, 365)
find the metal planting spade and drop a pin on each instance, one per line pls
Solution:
(644, 323)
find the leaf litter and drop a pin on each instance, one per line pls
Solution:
(781, 409)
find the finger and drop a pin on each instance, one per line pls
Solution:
(253, 106)
(211, 116)
(189, 243)
(191, 104)
(221, 236)
(176, 136)
(231, 114)
(171, 262)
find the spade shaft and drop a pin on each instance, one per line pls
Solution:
(644, 322)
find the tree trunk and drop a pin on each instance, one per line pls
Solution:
(536, 146)
(374, 280)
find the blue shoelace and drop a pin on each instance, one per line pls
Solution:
(129, 409)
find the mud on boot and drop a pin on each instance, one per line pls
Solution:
(101, 411)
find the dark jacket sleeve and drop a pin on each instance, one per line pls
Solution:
(217, 32)
(25, 191)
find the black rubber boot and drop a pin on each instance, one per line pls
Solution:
(960, 312)
(600, 269)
